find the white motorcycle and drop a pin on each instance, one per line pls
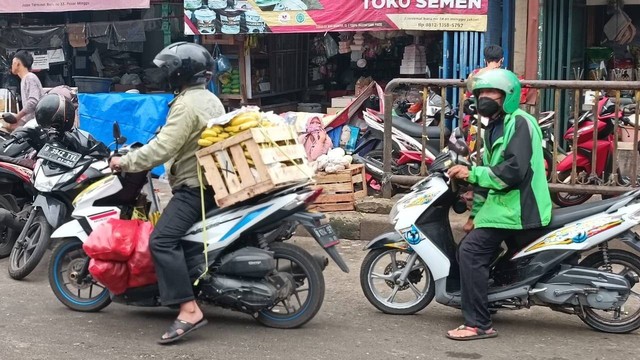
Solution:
(404, 270)
(250, 267)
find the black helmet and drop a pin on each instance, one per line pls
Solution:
(56, 112)
(185, 64)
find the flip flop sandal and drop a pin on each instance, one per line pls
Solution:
(480, 334)
(186, 328)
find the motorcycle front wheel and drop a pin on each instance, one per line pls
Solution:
(65, 266)
(308, 295)
(564, 199)
(30, 247)
(378, 277)
(626, 318)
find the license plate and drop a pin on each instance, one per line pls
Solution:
(59, 156)
(325, 235)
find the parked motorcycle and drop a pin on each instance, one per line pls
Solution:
(603, 169)
(250, 267)
(67, 164)
(406, 269)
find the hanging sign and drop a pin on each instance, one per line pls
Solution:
(14, 6)
(204, 17)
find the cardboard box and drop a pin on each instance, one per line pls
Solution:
(334, 110)
(342, 102)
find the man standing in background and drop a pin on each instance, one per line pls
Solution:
(30, 87)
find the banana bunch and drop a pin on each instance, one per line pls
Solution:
(212, 135)
(238, 124)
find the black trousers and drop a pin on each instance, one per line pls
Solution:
(475, 253)
(183, 210)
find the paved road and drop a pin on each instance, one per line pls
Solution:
(34, 325)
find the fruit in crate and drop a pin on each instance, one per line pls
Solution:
(239, 123)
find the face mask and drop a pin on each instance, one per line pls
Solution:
(487, 107)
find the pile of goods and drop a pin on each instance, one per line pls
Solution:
(336, 160)
(230, 82)
(120, 256)
(240, 121)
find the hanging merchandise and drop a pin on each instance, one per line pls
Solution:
(620, 28)
(330, 46)
(223, 64)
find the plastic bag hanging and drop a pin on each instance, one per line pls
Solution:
(223, 64)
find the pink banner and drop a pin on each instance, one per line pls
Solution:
(30, 6)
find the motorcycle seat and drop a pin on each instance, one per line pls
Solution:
(27, 163)
(415, 130)
(561, 217)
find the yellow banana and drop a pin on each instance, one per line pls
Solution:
(210, 132)
(217, 128)
(205, 142)
(214, 139)
(224, 135)
(250, 162)
(248, 125)
(245, 117)
(232, 129)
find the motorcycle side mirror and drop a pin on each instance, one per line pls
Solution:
(116, 131)
(121, 140)
(459, 147)
(9, 118)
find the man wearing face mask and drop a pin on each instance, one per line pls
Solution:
(511, 194)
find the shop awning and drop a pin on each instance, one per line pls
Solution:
(31, 6)
(304, 16)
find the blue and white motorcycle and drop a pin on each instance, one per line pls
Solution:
(250, 267)
(566, 266)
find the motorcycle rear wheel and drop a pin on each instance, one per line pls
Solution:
(30, 249)
(68, 258)
(629, 263)
(279, 316)
(387, 304)
(564, 199)
(8, 236)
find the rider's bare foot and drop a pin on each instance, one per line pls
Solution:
(190, 315)
(470, 333)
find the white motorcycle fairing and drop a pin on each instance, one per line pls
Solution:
(586, 233)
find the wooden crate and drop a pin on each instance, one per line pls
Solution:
(340, 190)
(278, 161)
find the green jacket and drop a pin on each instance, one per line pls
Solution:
(512, 190)
(177, 142)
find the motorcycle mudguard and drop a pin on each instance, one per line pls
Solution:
(54, 210)
(72, 229)
(390, 239)
(566, 163)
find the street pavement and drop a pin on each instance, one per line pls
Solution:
(34, 325)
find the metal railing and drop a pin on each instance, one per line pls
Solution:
(567, 91)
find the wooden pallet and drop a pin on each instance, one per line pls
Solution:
(278, 161)
(340, 190)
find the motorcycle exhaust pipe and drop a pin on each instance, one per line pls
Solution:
(9, 219)
(293, 268)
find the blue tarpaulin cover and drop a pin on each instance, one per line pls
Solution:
(139, 116)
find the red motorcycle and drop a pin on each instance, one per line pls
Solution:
(588, 173)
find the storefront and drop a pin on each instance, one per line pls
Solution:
(285, 52)
(112, 40)
(589, 40)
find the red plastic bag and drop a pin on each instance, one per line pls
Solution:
(114, 275)
(112, 241)
(142, 279)
(140, 261)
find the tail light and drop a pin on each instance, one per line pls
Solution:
(314, 195)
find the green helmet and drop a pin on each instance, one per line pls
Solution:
(500, 79)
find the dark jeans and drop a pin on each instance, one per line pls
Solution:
(181, 213)
(475, 254)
